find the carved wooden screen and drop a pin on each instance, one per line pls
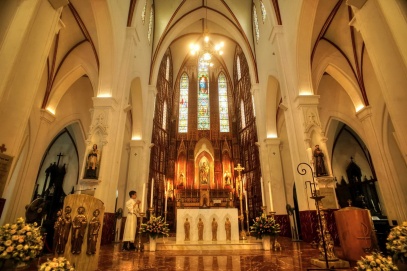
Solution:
(248, 152)
(160, 135)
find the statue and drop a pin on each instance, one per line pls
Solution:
(63, 233)
(228, 229)
(187, 227)
(204, 173)
(226, 177)
(93, 231)
(93, 163)
(214, 230)
(200, 230)
(79, 225)
(181, 179)
(319, 162)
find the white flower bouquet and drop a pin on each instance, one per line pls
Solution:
(397, 243)
(20, 242)
(376, 261)
(155, 227)
(57, 264)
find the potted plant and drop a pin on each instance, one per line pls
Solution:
(19, 243)
(56, 264)
(263, 227)
(155, 227)
(397, 243)
(376, 261)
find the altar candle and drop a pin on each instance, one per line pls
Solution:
(271, 198)
(262, 191)
(143, 197)
(152, 193)
(245, 195)
(166, 198)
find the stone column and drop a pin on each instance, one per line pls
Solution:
(382, 25)
(275, 179)
(392, 199)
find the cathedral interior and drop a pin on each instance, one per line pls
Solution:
(205, 105)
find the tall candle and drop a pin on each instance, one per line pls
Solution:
(143, 197)
(152, 193)
(166, 198)
(271, 198)
(262, 191)
(245, 195)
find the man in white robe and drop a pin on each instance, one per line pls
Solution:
(133, 210)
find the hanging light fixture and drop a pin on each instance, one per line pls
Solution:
(206, 48)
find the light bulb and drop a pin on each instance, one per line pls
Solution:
(206, 38)
(220, 52)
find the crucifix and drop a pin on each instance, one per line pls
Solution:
(59, 158)
(239, 169)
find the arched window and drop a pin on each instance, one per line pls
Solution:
(223, 104)
(263, 11)
(183, 104)
(167, 69)
(239, 73)
(242, 114)
(165, 116)
(150, 24)
(203, 92)
(256, 24)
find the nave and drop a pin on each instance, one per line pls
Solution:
(293, 256)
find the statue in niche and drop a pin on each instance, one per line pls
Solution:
(200, 230)
(79, 225)
(187, 227)
(214, 230)
(181, 179)
(93, 231)
(92, 163)
(204, 173)
(226, 177)
(319, 162)
(228, 229)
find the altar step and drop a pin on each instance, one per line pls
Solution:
(170, 244)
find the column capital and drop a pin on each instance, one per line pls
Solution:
(254, 89)
(137, 143)
(364, 113)
(275, 31)
(47, 116)
(104, 102)
(306, 100)
(152, 89)
(272, 141)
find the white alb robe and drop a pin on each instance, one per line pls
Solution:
(131, 221)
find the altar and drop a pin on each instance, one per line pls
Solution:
(207, 216)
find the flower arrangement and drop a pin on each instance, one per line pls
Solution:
(20, 242)
(376, 261)
(155, 227)
(264, 225)
(56, 264)
(397, 242)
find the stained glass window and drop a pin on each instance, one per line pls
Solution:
(239, 73)
(150, 24)
(242, 115)
(183, 104)
(263, 11)
(223, 104)
(165, 115)
(143, 13)
(256, 23)
(167, 69)
(203, 93)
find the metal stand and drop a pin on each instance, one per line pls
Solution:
(247, 221)
(325, 244)
(239, 169)
(151, 209)
(140, 245)
(165, 216)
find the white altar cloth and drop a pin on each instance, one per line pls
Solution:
(207, 215)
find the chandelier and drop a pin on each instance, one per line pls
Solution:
(204, 47)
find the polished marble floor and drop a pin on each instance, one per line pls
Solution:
(293, 256)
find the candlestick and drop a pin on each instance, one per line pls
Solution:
(262, 191)
(271, 198)
(143, 197)
(245, 195)
(152, 193)
(166, 199)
